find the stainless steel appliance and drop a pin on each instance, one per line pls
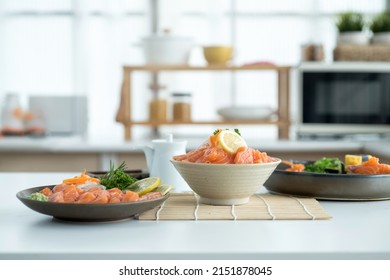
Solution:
(63, 115)
(344, 98)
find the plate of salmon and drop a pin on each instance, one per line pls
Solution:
(112, 195)
(88, 211)
(357, 178)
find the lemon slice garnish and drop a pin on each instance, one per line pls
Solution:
(145, 185)
(163, 189)
(230, 141)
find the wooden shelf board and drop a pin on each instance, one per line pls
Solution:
(242, 122)
(221, 67)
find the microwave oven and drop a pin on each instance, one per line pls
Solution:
(63, 115)
(343, 98)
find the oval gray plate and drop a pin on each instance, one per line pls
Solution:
(87, 212)
(329, 186)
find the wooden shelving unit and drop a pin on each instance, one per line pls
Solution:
(283, 91)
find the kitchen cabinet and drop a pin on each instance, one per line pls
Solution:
(62, 154)
(124, 114)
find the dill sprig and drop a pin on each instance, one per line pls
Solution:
(117, 177)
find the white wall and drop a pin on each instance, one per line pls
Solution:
(79, 47)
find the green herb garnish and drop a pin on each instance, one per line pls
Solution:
(236, 130)
(326, 165)
(38, 196)
(117, 178)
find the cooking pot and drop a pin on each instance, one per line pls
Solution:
(166, 49)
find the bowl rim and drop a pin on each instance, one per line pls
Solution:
(276, 162)
(326, 175)
(217, 46)
(331, 175)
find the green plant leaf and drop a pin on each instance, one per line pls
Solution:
(350, 21)
(381, 22)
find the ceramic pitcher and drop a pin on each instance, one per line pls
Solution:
(158, 157)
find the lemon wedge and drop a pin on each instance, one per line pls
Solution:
(230, 141)
(145, 185)
(163, 189)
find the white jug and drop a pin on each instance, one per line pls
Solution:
(158, 161)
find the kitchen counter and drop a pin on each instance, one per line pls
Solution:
(358, 230)
(63, 154)
(80, 144)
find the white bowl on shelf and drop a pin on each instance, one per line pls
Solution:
(166, 49)
(246, 112)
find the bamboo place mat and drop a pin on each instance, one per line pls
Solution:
(185, 206)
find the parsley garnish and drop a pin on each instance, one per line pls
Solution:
(236, 130)
(117, 178)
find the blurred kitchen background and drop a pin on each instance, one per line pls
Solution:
(61, 63)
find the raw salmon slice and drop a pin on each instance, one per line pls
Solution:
(212, 152)
(196, 155)
(86, 197)
(217, 155)
(102, 197)
(47, 191)
(244, 155)
(151, 195)
(370, 167)
(59, 187)
(70, 193)
(130, 196)
(57, 197)
(261, 157)
(116, 195)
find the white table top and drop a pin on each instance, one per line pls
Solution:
(358, 230)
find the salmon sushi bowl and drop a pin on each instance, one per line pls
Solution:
(224, 170)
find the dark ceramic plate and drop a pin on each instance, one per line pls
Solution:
(88, 212)
(328, 186)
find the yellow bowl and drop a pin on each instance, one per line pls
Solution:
(218, 54)
(225, 184)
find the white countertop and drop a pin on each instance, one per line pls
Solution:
(379, 148)
(358, 230)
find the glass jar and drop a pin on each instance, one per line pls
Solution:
(181, 110)
(158, 110)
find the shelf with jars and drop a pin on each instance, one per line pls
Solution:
(124, 114)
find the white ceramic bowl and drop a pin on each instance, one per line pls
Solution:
(166, 49)
(246, 112)
(225, 184)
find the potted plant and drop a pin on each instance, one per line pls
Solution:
(380, 27)
(350, 26)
